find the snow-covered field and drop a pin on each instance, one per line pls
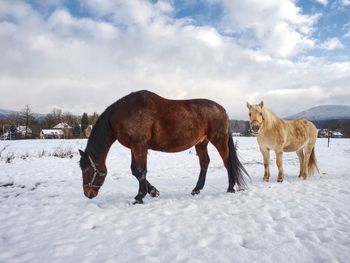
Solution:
(44, 216)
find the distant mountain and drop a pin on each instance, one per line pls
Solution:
(8, 113)
(325, 112)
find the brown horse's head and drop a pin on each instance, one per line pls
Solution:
(93, 175)
(256, 117)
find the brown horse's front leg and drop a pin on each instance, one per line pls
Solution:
(279, 162)
(152, 190)
(139, 170)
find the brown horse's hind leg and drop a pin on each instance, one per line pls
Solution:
(222, 146)
(139, 170)
(300, 154)
(204, 160)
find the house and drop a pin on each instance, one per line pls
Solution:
(21, 131)
(66, 129)
(88, 131)
(51, 134)
(337, 134)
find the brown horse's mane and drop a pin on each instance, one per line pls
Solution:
(99, 141)
(270, 118)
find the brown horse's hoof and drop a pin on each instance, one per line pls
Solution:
(195, 192)
(137, 202)
(231, 190)
(154, 192)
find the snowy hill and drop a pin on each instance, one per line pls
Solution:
(324, 112)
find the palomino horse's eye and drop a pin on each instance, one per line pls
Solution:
(250, 114)
(260, 114)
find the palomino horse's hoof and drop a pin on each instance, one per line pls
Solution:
(279, 180)
(195, 192)
(154, 192)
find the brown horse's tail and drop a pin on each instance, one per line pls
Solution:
(312, 164)
(235, 168)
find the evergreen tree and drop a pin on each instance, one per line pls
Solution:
(84, 122)
(76, 131)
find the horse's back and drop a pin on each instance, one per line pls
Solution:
(167, 125)
(299, 133)
(292, 135)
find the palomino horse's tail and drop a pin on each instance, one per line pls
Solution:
(312, 165)
(235, 167)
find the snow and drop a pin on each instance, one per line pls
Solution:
(46, 218)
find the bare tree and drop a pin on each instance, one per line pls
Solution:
(26, 118)
(57, 115)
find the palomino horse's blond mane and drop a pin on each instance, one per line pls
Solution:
(270, 119)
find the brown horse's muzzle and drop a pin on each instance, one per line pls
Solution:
(90, 192)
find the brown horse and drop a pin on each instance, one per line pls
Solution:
(281, 136)
(143, 120)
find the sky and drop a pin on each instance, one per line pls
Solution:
(83, 55)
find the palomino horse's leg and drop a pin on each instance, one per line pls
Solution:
(266, 155)
(204, 160)
(307, 153)
(300, 154)
(279, 162)
(139, 170)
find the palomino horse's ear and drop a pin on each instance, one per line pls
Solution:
(249, 105)
(261, 104)
(82, 153)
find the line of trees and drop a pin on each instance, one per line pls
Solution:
(34, 123)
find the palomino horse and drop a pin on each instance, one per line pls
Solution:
(143, 120)
(281, 136)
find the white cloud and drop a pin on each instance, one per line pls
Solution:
(276, 26)
(322, 2)
(331, 44)
(345, 2)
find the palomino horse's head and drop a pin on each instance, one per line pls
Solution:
(93, 177)
(256, 117)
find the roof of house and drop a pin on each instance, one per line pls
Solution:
(52, 132)
(337, 133)
(62, 125)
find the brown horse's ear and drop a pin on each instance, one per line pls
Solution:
(261, 104)
(82, 153)
(249, 105)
